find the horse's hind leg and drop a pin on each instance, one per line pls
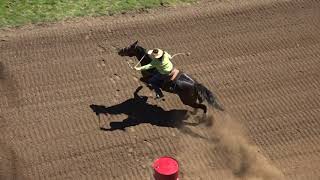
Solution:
(190, 100)
(202, 118)
(197, 106)
(195, 110)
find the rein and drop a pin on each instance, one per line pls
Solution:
(140, 60)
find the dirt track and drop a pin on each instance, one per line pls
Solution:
(261, 59)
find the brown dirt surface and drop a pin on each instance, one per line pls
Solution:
(261, 58)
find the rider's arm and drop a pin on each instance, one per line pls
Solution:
(145, 67)
(168, 55)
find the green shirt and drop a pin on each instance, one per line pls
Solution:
(164, 66)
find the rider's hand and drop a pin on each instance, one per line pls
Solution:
(137, 68)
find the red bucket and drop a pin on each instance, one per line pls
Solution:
(166, 168)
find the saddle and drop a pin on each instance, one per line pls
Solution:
(169, 84)
(176, 78)
(174, 73)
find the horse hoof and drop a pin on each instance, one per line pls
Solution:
(193, 113)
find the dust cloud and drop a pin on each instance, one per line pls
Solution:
(242, 158)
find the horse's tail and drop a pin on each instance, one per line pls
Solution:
(204, 93)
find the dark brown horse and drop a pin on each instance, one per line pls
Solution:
(191, 92)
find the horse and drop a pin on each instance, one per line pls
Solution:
(190, 92)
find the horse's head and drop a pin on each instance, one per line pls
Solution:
(136, 51)
(130, 50)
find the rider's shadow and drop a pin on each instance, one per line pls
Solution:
(139, 111)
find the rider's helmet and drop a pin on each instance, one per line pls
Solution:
(156, 53)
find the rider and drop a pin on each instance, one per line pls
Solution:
(160, 61)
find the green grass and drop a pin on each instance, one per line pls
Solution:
(19, 12)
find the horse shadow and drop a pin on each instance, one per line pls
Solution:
(139, 111)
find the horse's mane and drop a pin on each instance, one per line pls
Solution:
(141, 52)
